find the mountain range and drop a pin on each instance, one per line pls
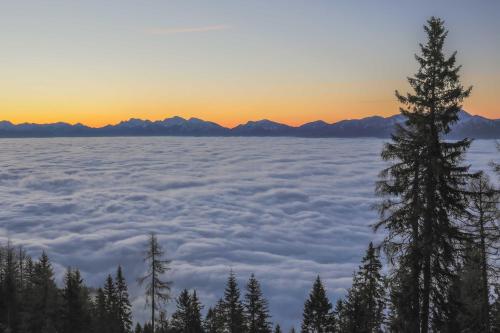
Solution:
(380, 127)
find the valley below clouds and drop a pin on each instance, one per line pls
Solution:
(285, 209)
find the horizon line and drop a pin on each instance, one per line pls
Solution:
(211, 121)
(187, 119)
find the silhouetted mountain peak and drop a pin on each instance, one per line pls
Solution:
(315, 125)
(134, 123)
(468, 125)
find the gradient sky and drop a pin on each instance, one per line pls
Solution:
(99, 62)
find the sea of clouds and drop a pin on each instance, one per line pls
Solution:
(285, 209)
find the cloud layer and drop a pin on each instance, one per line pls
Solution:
(285, 209)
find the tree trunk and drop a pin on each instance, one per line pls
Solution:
(484, 273)
(415, 267)
(153, 262)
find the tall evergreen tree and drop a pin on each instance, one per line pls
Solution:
(340, 316)
(45, 298)
(111, 305)
(215, 319)
(466, 311)
(363, 309)
(233, 308)
(157, 289)
(181, 317)
(277, 329)
(318, 316)
(100, 315)
(256, 308)
(428, 180)
(485, 232)
(196, 324)
(187, 317)
(372, 291)
(123, 306)
(10, 291)
(75, 316)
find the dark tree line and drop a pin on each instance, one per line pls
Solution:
(31, 302)
(442, 241)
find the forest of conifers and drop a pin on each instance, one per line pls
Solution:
(440, 222)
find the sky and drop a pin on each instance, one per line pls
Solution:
(100, 62)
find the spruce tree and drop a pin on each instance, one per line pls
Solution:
(469, 313)
(256, 308)
(123, 306)
(215, 319)
(100, 315)
(485, 232)
(75, 310)
(195, 321)
(425, 185)
(181, 317)
(10, 291)
(45, 298)
(339, 314)
(317, 316)
(277, 329)
(157, 289)
(370, 286)
(233, 308)
(111, 305)
(363, 309)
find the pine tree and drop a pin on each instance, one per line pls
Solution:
(181, 317)
(27, 295)
(75, 307)
(233, 308)
(317, 316)
(111, 304)
(339, 314)
(157, 290)
(364, 306)
(277, 329)
(215, 319)
(469, 312)
(123, 306)
(428, 180)
(485, 232)
(10, 291)
(195, 314)
(256, 308)
(45, 299)
(372, 291)
(100, 315)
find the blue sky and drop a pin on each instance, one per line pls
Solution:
(230, 61)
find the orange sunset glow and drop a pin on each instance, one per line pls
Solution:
(100, 70)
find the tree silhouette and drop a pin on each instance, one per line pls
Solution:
(157, 289)
(425, 185)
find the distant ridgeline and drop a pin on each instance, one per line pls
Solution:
(468, 126)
